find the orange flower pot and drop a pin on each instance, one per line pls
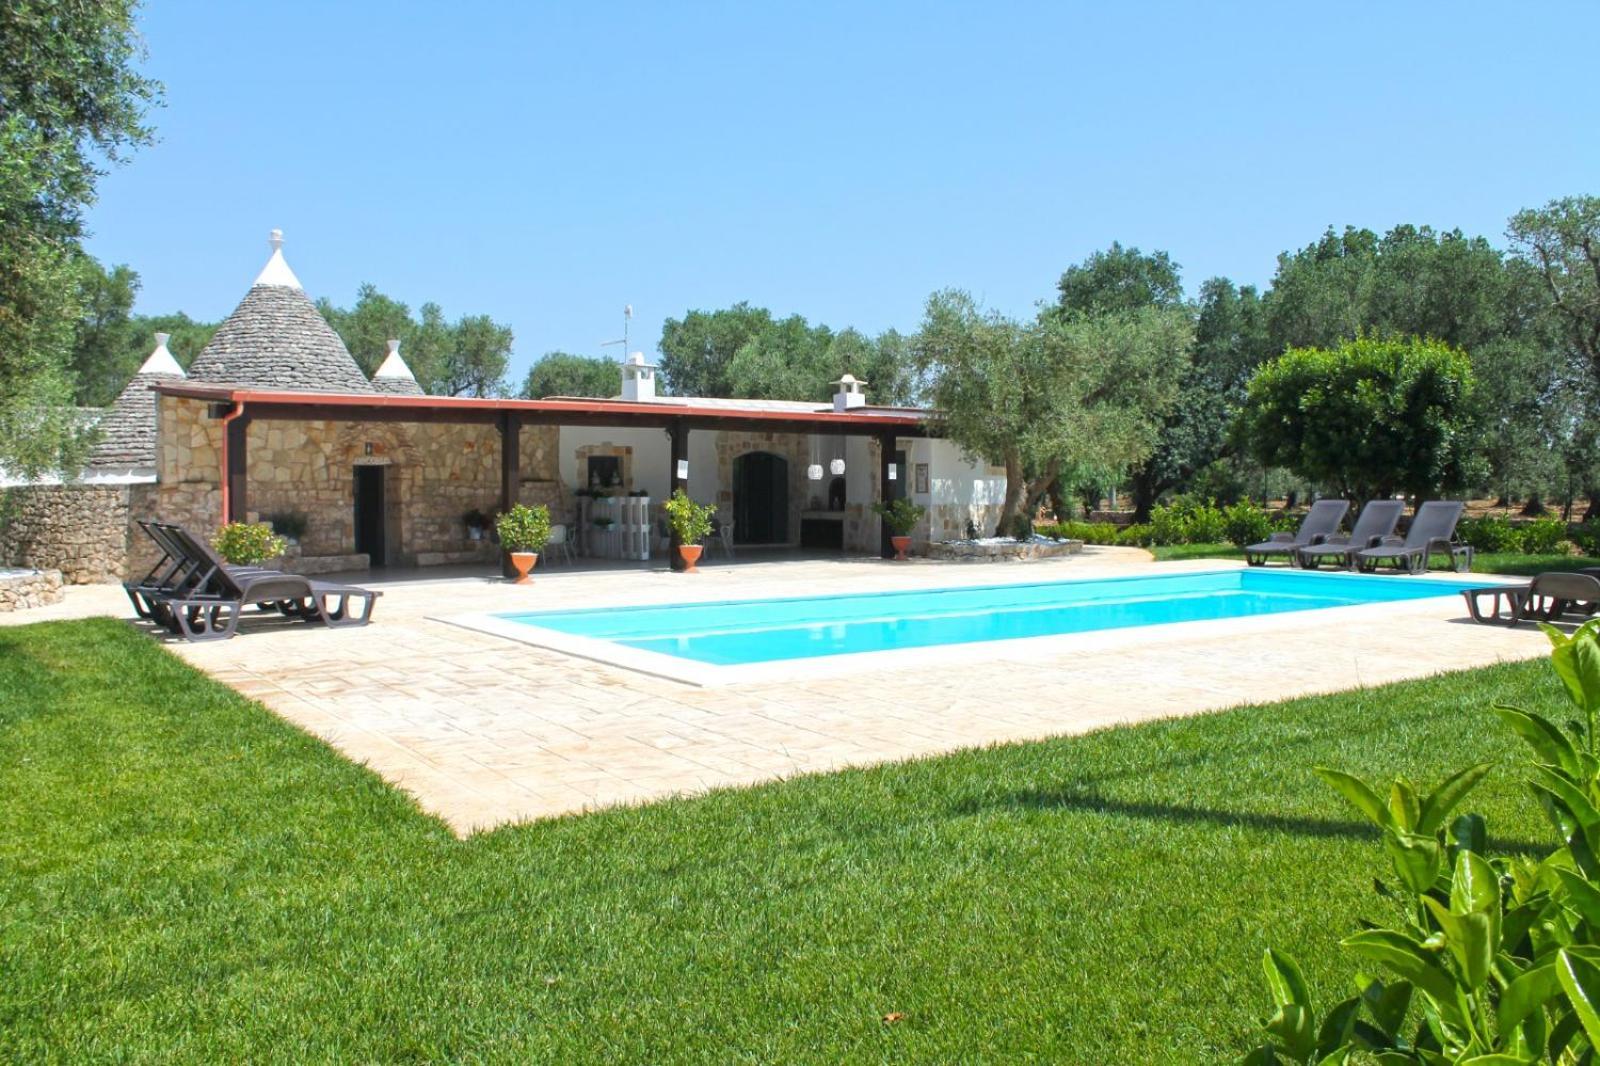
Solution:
(524, 561)
(901, 546)
(690, 554)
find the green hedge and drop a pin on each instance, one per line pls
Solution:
(1183, 521)
(1495, 533)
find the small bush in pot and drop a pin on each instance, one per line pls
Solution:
(523, 532)
(690, 523)
(901, 516)
(248, 543)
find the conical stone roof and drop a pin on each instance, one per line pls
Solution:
(276, 339)
(394, 376)
(128, 430)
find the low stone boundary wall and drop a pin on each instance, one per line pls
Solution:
(994, 551)
(79, 530)
(20, 590)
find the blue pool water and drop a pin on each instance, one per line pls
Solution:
(758, 631)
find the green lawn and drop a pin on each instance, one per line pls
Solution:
(184, 877)
(1482, 563)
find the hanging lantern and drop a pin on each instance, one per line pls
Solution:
(837, 466)
(814, 471)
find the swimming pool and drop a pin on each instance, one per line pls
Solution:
(743, 632)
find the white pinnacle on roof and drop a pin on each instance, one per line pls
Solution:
(277, 272)
(161, 360)
(393, 366)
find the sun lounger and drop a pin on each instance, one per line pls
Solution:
(1544, 599)
(1320, 523)
(1376, 521)
(1433, 528)
(208, 603)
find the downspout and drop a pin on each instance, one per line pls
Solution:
(227, 496)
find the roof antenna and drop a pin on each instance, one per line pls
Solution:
(627, 316)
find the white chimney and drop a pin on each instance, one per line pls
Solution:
(848, 394)
(638, 378)
(161, 361)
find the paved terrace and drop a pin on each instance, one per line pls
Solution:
(485, 731)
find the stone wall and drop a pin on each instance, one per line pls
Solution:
(30, 588)
(80, 530)
(792, 447)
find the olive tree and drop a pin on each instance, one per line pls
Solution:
(1051, 397)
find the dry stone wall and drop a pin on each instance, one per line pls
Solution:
(30, 588)
(80, 530)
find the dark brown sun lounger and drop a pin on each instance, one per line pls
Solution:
(1433, 529)
(1544, 599)
(1376, 521)
(1320, 523)
(208, 605)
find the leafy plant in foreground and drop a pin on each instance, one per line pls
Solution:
(248, 543)
(1490, 961)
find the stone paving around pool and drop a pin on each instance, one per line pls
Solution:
(484, 731)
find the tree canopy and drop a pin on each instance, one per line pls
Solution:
(565, 374)
(466, 358)
(1368, 418)
(1053, 397)
(71, 101)
(743, 351)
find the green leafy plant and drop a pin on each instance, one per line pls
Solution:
(289, 525)
(248, 543)
(1490, 533)
(1136, 535)
(690, 522)
(1187, 520)
(524, 528)
(1587, 538)
(901, 516)
(1244, 523)
(1544, 536)
(1493, 961)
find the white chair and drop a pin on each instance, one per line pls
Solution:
(558, 544)
(725, 536)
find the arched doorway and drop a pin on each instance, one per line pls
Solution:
(761, 498)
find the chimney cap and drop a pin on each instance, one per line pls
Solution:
(160, 361)
(637, 359)
(850, 382)
(277, 271)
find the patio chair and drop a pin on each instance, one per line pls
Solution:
(177, 570)
(1544, 599)
(558, 544)
(1320, 523)
(1433, 528)
(209, 605)
(1376, 521)
(722, 535)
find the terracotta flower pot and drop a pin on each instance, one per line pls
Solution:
(901, 546)
(524, 561)
(690, 554)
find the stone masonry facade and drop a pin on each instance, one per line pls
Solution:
(80, 530)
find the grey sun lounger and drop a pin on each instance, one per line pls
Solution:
(209, 604)
(1376, 521)
(1433, 528)
(1544, 599)
(1320, 523)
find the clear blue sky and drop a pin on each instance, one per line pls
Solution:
(548, 164)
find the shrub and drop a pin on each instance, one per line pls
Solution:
(689, 521)
(524, 528)
(1135, 536)
(1491, 533)
(1587, 538)
(1494, 533)
(1088, 532)
(1187, 521)
(1544, 536)
(901, 516)
(1244, 523)
(248, 543)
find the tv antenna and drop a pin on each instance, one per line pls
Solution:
(627, 317)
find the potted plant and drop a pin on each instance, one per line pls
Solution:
(476, 522)
(690, 523)
(523, 531)
(901, 516)
(248, 543)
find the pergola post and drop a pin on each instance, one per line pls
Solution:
(678, 432)
(510, 472)
(237, 504)
(885, 461)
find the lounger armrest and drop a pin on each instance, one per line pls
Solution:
(1391, 541)
(1318, 538)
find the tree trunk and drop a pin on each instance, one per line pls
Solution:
(1145, 494)
(1014, 490)
(1534, 507)
(1592, 494)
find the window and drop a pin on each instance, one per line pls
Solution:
(605, 471)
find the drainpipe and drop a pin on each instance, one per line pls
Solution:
(227, 495)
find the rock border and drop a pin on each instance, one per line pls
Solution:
(969, 551)
(35, 588)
